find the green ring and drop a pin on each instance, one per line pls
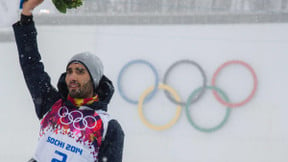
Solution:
(194, 93)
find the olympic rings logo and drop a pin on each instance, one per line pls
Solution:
(194, 96)
(76, 118)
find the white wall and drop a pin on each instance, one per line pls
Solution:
(255, 132)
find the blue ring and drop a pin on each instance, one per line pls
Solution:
(140, 61)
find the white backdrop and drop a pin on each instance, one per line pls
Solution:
(255, 132)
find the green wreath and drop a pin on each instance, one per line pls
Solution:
(63, 5)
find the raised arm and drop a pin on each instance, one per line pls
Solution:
(37, 80)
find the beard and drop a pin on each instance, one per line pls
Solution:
(83, 91)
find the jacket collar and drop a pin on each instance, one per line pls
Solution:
(105, 91)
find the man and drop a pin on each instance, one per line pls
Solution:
(75, 126)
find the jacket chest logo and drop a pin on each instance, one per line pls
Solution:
(76, 119)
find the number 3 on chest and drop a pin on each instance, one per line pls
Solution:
(64, 157)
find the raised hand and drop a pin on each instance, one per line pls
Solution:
(29, 5)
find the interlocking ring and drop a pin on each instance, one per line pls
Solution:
(76, 118)
(255, 83)
(196, 98)
(125, 67)
(195, 95)
(190, 99)
(140, 108)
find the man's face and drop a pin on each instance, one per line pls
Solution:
(78, 81)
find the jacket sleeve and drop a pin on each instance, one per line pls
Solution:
(38, 81)
(111, 149)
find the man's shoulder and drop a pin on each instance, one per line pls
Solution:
(114, 127)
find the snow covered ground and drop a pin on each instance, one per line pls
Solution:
(255, 132)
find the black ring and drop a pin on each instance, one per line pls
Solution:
(203, 85)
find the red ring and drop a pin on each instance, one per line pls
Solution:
(255, 84)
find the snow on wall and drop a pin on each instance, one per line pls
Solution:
(255, 132)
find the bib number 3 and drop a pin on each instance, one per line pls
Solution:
(64, 157)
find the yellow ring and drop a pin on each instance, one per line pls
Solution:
(140, 107)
